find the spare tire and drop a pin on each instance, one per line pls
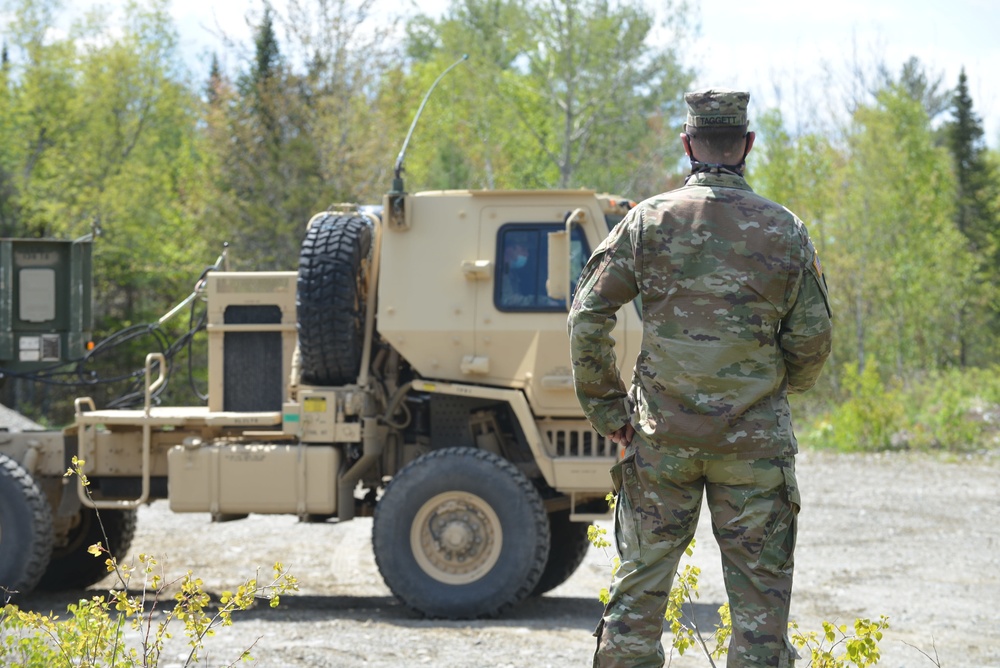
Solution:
(332, 288)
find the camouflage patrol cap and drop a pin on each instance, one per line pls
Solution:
(717, 107)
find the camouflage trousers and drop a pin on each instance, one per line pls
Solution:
(753, 504)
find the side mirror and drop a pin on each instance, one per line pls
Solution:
(558, 282)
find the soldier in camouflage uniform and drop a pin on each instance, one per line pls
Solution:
(735, 316)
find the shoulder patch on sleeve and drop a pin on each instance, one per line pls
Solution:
(816, 269)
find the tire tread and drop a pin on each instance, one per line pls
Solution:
(77, 568)
(40, 549)
(569, 545)
(330, 299)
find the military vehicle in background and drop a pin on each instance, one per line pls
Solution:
(415, 367)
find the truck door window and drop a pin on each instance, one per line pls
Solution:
(523, 265)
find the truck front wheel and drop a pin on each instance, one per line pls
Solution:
(568, 546)
(460, 533)
(25, 529)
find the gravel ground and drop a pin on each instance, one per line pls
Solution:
(11, 420)
(913, 537)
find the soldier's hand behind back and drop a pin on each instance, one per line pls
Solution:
(623, 435)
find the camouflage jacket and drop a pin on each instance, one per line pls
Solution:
(735, 315)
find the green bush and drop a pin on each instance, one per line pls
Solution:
(867, 418)
(957, 410)
(97, 629)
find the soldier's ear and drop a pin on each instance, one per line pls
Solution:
(686, 141)
(750, 137)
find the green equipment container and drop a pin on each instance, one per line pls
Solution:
(46, 309)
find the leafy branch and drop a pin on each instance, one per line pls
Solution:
(838, 646)
(94, 633)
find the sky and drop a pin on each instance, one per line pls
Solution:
(782, 51)
(766, 45)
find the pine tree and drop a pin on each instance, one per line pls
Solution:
(924, 87)
(965, 141)
(267, 56)
(976, 216)
(214, 85)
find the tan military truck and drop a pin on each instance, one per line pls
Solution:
(415, 367)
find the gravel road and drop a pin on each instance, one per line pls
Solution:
(913, 537)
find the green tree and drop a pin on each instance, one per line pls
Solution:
(876, 196)
(8, 157)
(348, 51)
(470, 135)
(100, 133)
(921, 86)
(610, 85)
(267, 172)
(103, 134)
(976, 216)
(968, 149)
(906, 269)
(38, 91)
(298, 130)
(556, 94)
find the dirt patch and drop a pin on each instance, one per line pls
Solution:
(913, 537)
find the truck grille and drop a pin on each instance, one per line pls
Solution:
(574, 439)
(252, 361)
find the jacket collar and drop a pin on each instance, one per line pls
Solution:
(719, 179)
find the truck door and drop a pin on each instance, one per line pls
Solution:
(520, 335)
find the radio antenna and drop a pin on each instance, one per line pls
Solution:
(397, 181)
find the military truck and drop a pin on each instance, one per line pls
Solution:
(415, 367)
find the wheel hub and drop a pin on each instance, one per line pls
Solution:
(456, 537)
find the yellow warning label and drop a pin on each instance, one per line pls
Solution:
(314, 404)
